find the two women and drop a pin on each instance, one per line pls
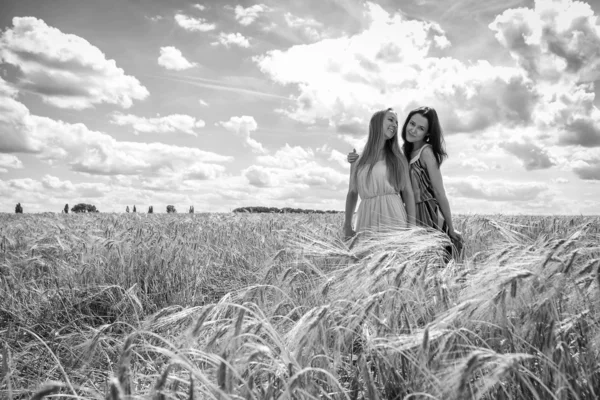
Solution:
(424, 147)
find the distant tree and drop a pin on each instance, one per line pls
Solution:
(127, 209)
(84, 208)
(171, 209)
(18, 209)
(134, 208)
(191, 210)
(66, 209)
(150, 210)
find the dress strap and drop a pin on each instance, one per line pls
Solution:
(415, 158)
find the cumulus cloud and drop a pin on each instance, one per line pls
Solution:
(495, 189)
(199, 7)
(193, 24)
(203, 172)
(293, 166)
(246, 16)
(171, 58)
(552, 40)
(348, 78)
(339, 158)
(54, 183)
(530, 154)
(473, 164)
(288, 157)
(260, 176)
(586, 164)
(170, 123)
(84, 150)
(310, 27)
(229, 39)
(65, 70)
(583, 130)
(10, 161)
(557, 44)
(202, 103)
(243, 126)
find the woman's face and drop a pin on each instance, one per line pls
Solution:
(390, 125)
(417, 128)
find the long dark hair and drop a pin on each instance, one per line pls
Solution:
(434, 134)
(397, 166)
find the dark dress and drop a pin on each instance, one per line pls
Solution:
(428, 212)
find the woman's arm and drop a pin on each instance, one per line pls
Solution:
(407, 193)
(351, 200)
(409, 202)
(439, 192)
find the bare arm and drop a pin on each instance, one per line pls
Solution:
(407, 193)
(351, 200)
(439, 192)
(409, 202)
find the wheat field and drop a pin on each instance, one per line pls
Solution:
(276, 306)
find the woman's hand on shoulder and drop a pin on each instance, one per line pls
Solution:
(352, 157)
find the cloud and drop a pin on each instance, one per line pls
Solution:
(246, 16)
(61, 190)
(552, 41)
(531, 155)
(583, 131)
(243, 126)
(259, 176)
(202, 103)
(310, 27)
(54, 183)
(287, 157)
(586, 164)
(293, 166)
(229, 39)
(495, 189)
(557, 44)
(199, 7)
(349, 78)
(473, 164)
(155, 18)
(171, 58)
(339, 158)
(84, 150)
(166, 124)
(65, 70)
(194, 24)
(10, 161)
(202, 172)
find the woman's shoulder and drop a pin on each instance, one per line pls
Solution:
(428, 156)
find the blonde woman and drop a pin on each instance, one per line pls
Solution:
(380, 178)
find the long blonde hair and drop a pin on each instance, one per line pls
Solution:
(397, 166)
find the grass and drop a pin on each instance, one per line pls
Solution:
(247, 306)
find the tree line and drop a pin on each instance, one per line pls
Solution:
(285, 210)
(90, 208)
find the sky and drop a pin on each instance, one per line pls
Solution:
(220, 104)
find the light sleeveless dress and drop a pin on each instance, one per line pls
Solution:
(381, 207)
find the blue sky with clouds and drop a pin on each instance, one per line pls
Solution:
(227, 104)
